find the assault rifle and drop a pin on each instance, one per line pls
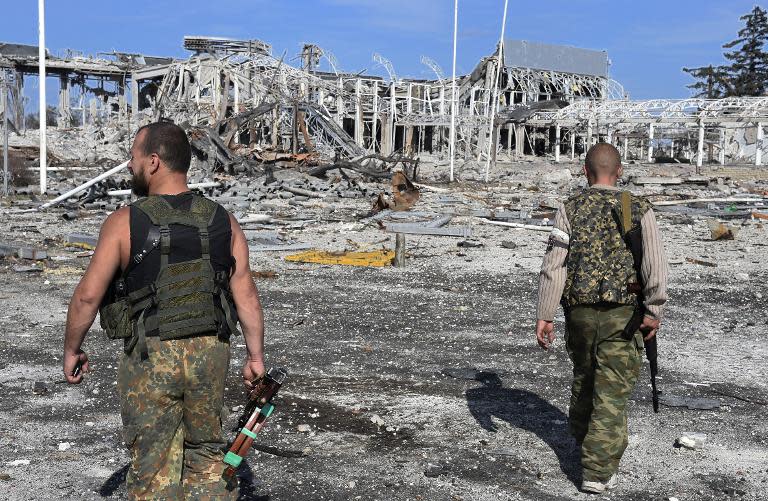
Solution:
(634, 240)
(255, 414)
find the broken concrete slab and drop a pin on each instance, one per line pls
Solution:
(21, 251)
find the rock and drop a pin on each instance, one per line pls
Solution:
(18, 462)
(508, 245)
(558, 176)
(304, 428)
(692, 440)
(376, 419)
(40, 388)
(743, 277)
(434, 470)
(63, 446)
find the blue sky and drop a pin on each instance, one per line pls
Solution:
(648, 42)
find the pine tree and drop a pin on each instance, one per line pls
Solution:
(748, 70)
(712, 81)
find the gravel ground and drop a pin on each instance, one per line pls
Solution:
(383, 363)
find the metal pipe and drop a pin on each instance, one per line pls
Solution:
(84, 186)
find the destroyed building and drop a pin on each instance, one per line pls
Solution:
(238, 99)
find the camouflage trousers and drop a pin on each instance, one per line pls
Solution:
(605, 370)
(171, 408)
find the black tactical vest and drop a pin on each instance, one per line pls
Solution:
(599, 263)
(176, 284)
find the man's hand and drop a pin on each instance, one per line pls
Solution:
(71, 361)
(545, 333)
(253, 370)
(649, 327)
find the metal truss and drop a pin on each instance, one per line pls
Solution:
(539, 85)
(732, 110)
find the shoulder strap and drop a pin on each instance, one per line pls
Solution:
(626, 212)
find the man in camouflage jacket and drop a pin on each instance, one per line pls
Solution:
(588, 267)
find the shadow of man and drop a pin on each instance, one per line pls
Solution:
(248, 484)
(529, 412)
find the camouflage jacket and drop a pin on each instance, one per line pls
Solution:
(599, 263)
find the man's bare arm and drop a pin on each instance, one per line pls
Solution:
(89, 292)
(246, 298)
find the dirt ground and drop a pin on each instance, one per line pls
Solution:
(383, 364)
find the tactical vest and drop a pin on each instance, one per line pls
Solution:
(599, 263)
(186, 298)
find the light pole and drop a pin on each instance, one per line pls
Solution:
(452, 139)
(42, 114)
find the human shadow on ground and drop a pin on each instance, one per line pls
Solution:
(527, 411)
(248, 486)
(114, 481)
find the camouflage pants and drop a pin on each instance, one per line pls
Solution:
(605, 370)
(171, 408)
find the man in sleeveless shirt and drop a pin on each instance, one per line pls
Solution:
(589, 268)
(182, 263)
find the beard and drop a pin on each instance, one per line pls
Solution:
(139, 185)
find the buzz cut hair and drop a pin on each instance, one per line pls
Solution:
(603, 160)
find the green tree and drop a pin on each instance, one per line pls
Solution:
(748, 70)
(712, 81)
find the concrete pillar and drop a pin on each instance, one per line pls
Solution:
(721, 154)
(358, 113)
(572, 134)
(65, 114)
(510, 128)
(557, 143)
(589, 136)
(650, 143)
(759, 144)
(386, 134)
(340, 104)
(520, 140)
(700, 149)
(625, 149)
(392, 111)
(375, 117)
(134, 102)
(442, 100)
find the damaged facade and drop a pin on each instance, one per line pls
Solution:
(242, 105)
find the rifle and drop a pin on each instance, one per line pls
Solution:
(634, 240)
(255, 414)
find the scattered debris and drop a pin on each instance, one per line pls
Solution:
(701, 262)
(22, 252)
(722, 231)
(18, 462)
(40, 388)
(376, 258)
(27, 269)
(377, 420)
(83, 241)
(692, 440)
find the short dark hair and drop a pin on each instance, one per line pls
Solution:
(169, 142)
(603, 159)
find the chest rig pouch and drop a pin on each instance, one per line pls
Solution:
(187, 298)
